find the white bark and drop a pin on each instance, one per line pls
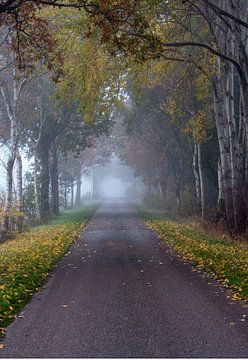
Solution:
(202, 184)
(11, 94)
(221, 194)
(19, 200)
(36, 190)
(159, 184)
(225, 163)
(196, 173)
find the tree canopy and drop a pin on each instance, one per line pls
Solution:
(171, 75)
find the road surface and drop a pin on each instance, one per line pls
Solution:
(119, 293)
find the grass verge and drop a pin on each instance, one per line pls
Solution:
(226, 260)
(26, 260)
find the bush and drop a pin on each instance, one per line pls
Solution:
(11, 222)
(154, 200)
(188, 203)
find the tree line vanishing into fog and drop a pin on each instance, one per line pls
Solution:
(163, 84)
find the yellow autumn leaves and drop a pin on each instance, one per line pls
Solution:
(227, 261)
(25, 262)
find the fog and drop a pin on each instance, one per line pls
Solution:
(113, 188)
(115, 180)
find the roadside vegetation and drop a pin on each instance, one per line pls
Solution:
(222, 256)
(26, 260)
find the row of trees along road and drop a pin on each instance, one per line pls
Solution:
(202, 43)
(41, 116)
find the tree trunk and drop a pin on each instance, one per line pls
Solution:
(36, 189)
(6, 225)
(19, 200)
(44, 192)
(196, 173)
(221, 196)
(19, 197)
(10, 96)
(95, 183)
(244, 112)
(159, 183)
(54, 182)
(65, 196)
(202, 184)
(9, 189)
(78, 190)
(220, 121)
(11, 161)
(72, 194)
(235, 155)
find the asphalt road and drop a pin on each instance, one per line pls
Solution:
(119, 293)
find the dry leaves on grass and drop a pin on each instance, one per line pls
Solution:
(228, 262)
(25, 262)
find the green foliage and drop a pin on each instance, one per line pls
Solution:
(11, 222)
(26, 260)
(91, 77)
(187, 207)
(188, 203)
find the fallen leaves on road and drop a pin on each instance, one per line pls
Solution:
(26, 261)
(226, 261)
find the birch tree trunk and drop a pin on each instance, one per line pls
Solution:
(202, 184)
(19, 193)
(19, 199)
(196, 173)
(9, 184)
(54, 181)
(44, 191)
(235, 150)
(13, 151)
(225, 163)
(65, 196)
(10, 98)
(36, 188)
(221, 196)
(72, 194)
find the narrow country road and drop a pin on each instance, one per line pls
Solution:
(118, 293)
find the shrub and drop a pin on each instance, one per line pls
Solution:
(11, 222)
(154, 200)
(188, 203)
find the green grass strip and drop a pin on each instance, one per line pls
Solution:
(26, 260)
(226, 260)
